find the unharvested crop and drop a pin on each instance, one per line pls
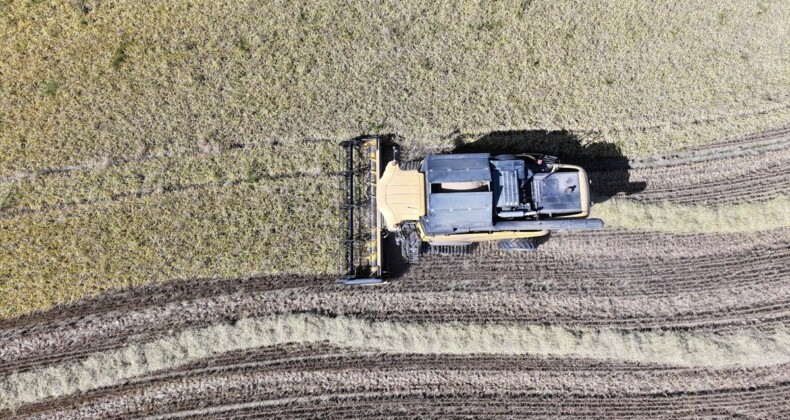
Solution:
(167, 77)
(218, 231)
(124, 124)
(160, 175)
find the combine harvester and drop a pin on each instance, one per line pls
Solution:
(445, 203)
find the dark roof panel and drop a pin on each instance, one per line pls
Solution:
(508, 175)
(459, 210)
(470, 167)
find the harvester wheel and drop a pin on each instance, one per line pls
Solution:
(523, 244)
(505, 157)
(449, 250)
(411, 165)
(410, 243)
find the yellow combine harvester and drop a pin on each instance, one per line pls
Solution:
(444, 203)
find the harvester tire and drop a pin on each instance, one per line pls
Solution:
(449, 250)
(410, 243)
(523, 244)
(411, 165)
(505, 157)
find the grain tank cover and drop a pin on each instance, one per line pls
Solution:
(509, 176)
(461, 210)
(458, 212)
(470, 167)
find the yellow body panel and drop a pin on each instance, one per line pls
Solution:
(400, 195)
(481, 236)
(375, 258)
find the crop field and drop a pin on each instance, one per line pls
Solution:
(170, 230)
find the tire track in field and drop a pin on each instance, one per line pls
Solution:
(180, 153)
(295, 358)
(41, 340)
(132, 315)
(596, 278)
(615, 263)
(695, 313)
(752, 402)
(291, 377)
(723, 181)
(764, 141)
(742, 347)
(746, 168)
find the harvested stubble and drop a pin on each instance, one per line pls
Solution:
(86, 82)
(752, 169)
(531, 381)
(737, 348)
(629, 280)
(621, 264)
(331, 383)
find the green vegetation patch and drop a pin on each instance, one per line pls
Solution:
(119, 56)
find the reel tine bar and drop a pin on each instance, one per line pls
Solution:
(373, 244)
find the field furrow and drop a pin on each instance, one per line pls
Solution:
(278, 378)
(728, 180)
(575, 279)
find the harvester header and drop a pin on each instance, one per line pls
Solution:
(367, 270)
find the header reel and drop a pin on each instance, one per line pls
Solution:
(363, 257)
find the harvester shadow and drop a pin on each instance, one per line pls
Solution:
(606, 165)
